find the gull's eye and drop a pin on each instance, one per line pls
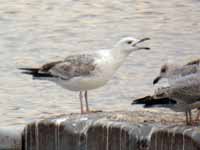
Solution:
(163, 70)
(129, 42)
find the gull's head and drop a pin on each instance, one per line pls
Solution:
(166, 71)
(130, 44)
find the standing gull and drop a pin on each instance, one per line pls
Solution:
(175, 71)
(184, 86)
(85, 72)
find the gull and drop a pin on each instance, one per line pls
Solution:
(83, 72)
(175, 71)
(184, 86)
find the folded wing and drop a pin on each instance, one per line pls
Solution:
(72, 66)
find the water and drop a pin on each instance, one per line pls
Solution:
(34, 32)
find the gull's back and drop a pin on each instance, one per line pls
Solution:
(186, 89)
(183, 86)
(183, 71)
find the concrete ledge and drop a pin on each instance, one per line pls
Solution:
(10, 138)
(111, 131)
(175, 138)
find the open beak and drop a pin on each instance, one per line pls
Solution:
(156, 79)
(145, 48)
(140, 41)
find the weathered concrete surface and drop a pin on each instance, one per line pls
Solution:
(10, 138)
(112, 131)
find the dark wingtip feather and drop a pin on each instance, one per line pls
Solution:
(34, 72)
(149, 101)
(142, 100)
(26, 72)
(29, 69)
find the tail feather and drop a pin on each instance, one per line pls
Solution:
(35, 72)
(149, 101)
(29, 69)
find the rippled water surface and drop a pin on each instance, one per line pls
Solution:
(34, 32)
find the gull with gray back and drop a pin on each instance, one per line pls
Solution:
(184, 86)
(87, 71)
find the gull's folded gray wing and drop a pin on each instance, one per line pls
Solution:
(190, 68)
(187, 88)
(194, 62)
(74, 66)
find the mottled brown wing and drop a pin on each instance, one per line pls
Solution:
(188, 70)
(191, 67)
(194, 62)
(48, 66)
(187, 88)
(73, 66)
(186, 94)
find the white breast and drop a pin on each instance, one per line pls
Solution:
(104, 70)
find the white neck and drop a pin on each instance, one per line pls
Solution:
(118, 55)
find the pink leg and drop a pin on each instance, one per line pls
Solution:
(86, 102)
(186, 115)
(198, 114)
(81, 102)
(190, 116)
